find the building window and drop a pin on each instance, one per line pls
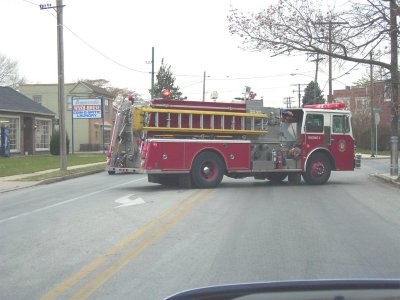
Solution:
(107, 137)
(106, 105)
(362, 103)
(314, 123)
(37, 99)
(12, 123)
(42, 134)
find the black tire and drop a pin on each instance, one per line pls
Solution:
(207, 170)
(111, 172)
(318, 169)
(276, 177)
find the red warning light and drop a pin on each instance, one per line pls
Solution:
(165, 93)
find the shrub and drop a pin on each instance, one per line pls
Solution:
(55, 143)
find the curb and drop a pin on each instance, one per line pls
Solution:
(367, 156)
(387, 179)
(18, 182)
(66, 177)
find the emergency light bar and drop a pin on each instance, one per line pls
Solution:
(326, 106)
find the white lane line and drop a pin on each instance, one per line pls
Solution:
(127, 201)
(65, 202)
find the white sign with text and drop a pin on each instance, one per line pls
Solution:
(86, 108)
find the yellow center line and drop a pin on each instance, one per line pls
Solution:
(93, 265)
(104, 276)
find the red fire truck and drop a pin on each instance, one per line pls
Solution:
(194, 144)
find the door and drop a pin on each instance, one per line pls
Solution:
(314, 130)
(342, 142)
(172, 156)
(28, 135)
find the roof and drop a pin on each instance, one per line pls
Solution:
(13, 101)
(96, 89)
(99, 91)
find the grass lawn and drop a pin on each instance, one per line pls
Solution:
(15, 165)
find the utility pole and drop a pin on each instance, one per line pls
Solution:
(152, 70)
(61, 98)
(152, 73)
(288, 102)
(330, 62)
(394, 72)
(317, 60)
(372, 107)
(298, 91)
(204, 86)
(330, 27)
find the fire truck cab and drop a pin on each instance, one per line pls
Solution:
(194, 144)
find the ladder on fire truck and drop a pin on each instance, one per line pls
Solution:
(198, 121)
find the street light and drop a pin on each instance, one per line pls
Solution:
(301, 74)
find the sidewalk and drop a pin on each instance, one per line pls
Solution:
(15, 182)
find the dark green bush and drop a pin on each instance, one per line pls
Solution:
(55, 143)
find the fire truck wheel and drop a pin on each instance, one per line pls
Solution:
(318, 169)
(111, 172)
(276, 177)
(207, 170)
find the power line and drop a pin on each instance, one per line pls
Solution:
(191, 84)
(30, 2)
(90, 46)
(253, 77)
(227, 78)
(104, 55)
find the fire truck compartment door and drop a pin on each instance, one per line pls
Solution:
(172, 156)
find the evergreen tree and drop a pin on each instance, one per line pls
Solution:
(55, 143)
(165, 80)
(313, 94)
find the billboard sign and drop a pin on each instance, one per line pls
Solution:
(86, 108)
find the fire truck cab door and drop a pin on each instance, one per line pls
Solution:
(314, 127)
(342, 141)
(331, 131)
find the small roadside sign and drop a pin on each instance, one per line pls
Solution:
(377, 118)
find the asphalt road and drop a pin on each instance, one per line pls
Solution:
(120, 237)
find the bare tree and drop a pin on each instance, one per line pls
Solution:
(119, 94)
(103, 83)
(9, 75)
(350, 34)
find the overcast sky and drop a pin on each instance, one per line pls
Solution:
(113, 40)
